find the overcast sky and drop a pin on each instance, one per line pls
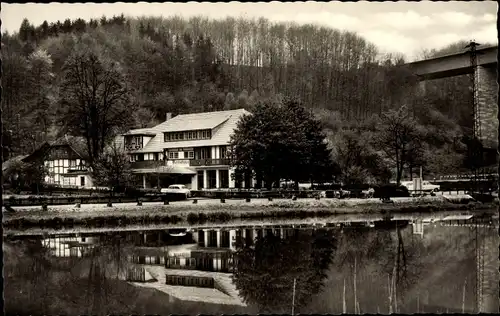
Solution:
(405, 27)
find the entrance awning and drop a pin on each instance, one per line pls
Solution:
(174, 169)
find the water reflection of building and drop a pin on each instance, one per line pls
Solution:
(418, 226)
(211, 249)
(69, 245)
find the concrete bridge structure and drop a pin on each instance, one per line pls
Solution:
(459, 64)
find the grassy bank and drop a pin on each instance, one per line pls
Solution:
(124, 215)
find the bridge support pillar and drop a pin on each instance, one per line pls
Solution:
(489, 302)
(487, 95)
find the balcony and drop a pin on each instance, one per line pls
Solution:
(147, 164)
(209, 162)
(133, 146)
(78, 168)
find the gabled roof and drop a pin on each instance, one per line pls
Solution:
(77, 143)
(140, 131)
(195, 121)
(222, 123)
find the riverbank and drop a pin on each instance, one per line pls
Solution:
(213, 211)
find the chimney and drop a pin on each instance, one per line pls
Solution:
(168, 116)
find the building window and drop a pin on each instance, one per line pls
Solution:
(137, 141)
(187, 135)
(173, 155)
(223, 152)
(188, 154)
(212, 179)
(205, 153)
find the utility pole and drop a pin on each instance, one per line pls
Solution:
(293, 297)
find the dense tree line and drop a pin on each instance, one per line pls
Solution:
(178, 65)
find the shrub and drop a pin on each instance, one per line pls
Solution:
(202, 218)
(192, 218)
(175, 219)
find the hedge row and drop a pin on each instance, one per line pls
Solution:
(100, 221)
(255, 194)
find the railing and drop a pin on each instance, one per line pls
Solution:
(147, 164)
(209, 162)
(102, 199)
(131, 147)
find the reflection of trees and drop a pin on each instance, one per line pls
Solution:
(403, 268)
(99, 276)
(385, 250)
(265, 274)
(26, 271)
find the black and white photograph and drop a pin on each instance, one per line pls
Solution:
(245, 158)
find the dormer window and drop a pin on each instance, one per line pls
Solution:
(187, 135)
(133, 142)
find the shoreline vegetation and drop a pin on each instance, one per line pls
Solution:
(175, 213)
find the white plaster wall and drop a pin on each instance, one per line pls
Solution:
(145, 140)
(217, 264)
(232, 239)
(231, 179)
(194, 182)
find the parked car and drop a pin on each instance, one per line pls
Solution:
(426, 186)
(178, 189)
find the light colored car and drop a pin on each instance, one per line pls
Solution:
(426, 186)
(177, 188)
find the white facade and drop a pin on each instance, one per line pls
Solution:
(58, 173)
(195, 145)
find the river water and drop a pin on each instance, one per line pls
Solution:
(431, 264)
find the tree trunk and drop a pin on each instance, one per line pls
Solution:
(355, 288)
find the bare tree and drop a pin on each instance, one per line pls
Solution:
(398, 138)
(94, 99)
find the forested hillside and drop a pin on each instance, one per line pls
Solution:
(159, 65)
